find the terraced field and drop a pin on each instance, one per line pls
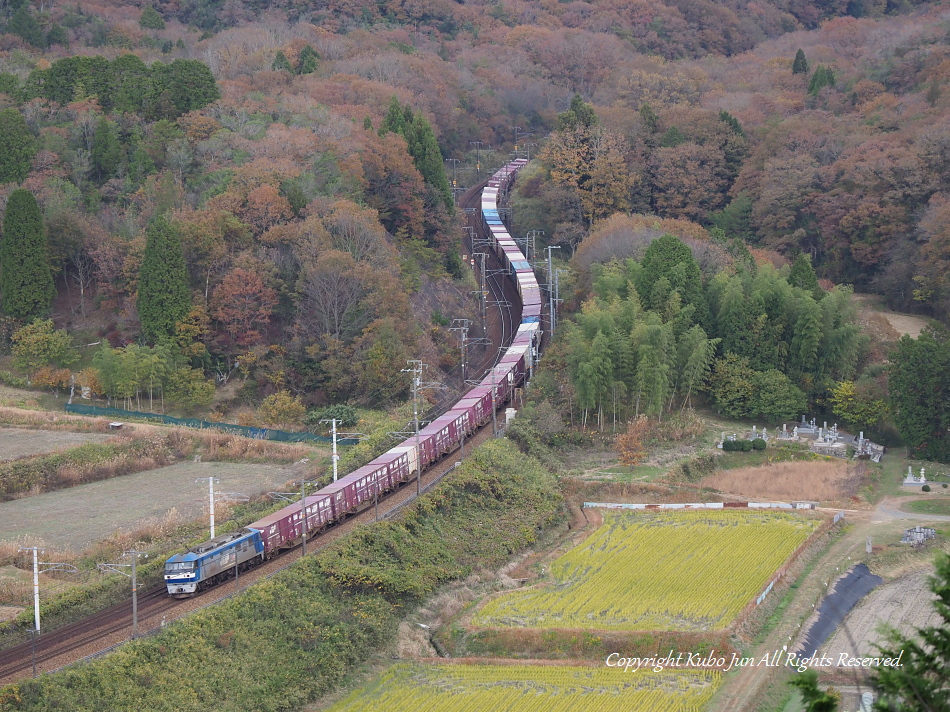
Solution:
(677, 570)
(527, 688)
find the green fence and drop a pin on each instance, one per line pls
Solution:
(246, 431)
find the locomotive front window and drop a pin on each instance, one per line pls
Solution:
(183, 566)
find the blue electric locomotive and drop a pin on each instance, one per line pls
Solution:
(213, 561)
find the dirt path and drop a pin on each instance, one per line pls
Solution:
(742, 692)
(887, 510)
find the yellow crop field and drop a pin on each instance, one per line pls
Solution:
(527, 688)
(692, 570)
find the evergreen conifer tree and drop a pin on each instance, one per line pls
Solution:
(25, 26)
(673, 137)
(106, 149)
(802, 275)
(422, 145)
(670, 257)
(428, 158)
(649, 119)
(163, 298)
(151, 20)
(823, 77)
(26, 280)
(17, 147)
(732, 122)
(800, 64)
(580, 114)
(394, 120)
(307, 62)
(57, 36)
(281, 63)
(933, 92)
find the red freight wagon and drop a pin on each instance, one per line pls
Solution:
(478, 409)
(397, 467)
(427, 452)
(319, 511)
(443, 433)
(280, 529)
(349, 492)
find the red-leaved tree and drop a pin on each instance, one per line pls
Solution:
(243, 303)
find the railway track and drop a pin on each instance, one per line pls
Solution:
(108, 628)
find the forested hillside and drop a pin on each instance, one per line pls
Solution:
(289, 157)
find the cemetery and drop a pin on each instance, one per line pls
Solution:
(821, 439)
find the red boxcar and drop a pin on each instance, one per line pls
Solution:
(280, 529)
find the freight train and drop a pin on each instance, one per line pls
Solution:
(221, 557)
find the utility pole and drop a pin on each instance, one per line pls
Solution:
(483, 296)
(551, 286)
(516, 128)
(531, 238)
(336, 458)
(303, 501)
(119, 569)
(461, 326)
(335, 433)
(478, 159)
(211, 481)
(557, 286)
(220, 497)
(48, 566)
(494, 409)
(415, 368)
(455, 164)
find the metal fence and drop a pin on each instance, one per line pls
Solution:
(243, 430)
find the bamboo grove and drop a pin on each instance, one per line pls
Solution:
(759, 341)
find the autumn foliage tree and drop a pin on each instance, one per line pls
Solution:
(243, 304)
(630, 445)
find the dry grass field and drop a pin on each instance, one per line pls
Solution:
(79, 516)
(821, 480)
(19, 442)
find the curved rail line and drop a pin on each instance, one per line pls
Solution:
(467, 420)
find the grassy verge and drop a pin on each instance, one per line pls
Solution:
(298, 635)
(928, 506)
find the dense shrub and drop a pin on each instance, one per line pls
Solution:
(759, 444)
(698, 467)
(925, 488)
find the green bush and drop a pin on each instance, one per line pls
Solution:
(759, 444)
(346, 415)
(737, 446)
(925, 488)
(698, 467)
